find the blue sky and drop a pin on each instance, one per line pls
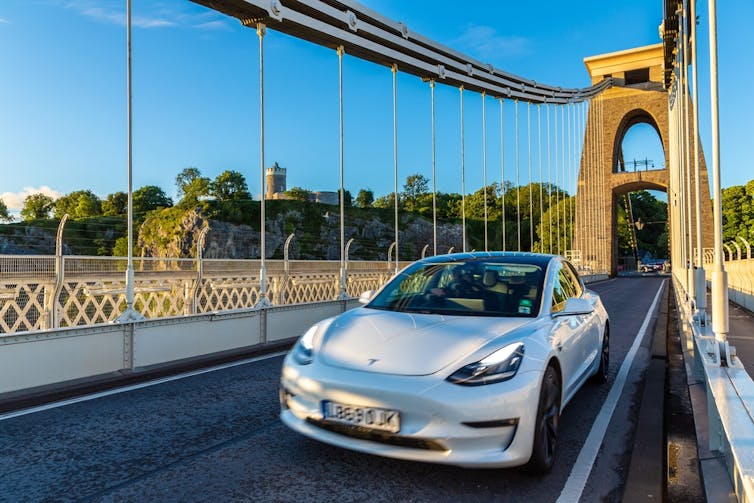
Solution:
(63, 100)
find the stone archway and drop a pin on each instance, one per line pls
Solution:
(638, 97)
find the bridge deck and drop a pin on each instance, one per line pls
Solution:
(217, 436)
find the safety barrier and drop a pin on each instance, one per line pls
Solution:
(730, 396)
(34, 360)
(44, 292)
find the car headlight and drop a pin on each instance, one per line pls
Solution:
(304, 349)
(498, 366)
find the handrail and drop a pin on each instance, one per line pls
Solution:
(730, 400)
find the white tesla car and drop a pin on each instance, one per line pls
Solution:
(464, 359)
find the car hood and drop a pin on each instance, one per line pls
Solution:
(407, 343)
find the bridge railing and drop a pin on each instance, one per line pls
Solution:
(43, 292)
(729, 393)
(739, 265)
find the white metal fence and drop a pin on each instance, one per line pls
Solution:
(42, 292)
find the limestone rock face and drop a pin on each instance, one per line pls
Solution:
(314, 240)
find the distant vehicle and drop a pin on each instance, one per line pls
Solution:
(463, 359)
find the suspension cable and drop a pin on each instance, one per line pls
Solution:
(531, 199)
(557, 184)
(549, 182)
(518, 185)
(463, 181)
(502, 168)
(394, 70)
(342, 189)
(434, 172)
(541, 180)
(484, 163)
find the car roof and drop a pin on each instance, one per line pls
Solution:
(538, 259)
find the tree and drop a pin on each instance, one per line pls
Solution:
(191, 186)
(364, 198)
(387, 201)
(415, 187)
(299, 194)
(36, 206)
(4, 215)
(115, 204)
(229, 186)
(78, 204)
(150, 197)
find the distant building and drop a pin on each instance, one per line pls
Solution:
(275, 181)
(276, 187)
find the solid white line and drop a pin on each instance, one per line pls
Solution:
(133, 387)
(583, 467)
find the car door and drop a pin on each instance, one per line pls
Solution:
(566, 330)
(590, 346)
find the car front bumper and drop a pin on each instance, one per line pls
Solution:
(469, 426)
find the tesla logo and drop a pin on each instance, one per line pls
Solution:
(372, 361)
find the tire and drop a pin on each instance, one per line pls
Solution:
(601, 375)
(546, 424)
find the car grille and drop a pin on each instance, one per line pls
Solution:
(378, 436)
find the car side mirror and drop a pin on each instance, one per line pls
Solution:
(365, 297)
(575, 306)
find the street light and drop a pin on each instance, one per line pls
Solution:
(640, 224)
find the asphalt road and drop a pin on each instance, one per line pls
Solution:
(217, 437)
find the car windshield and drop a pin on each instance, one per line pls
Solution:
(465, 288)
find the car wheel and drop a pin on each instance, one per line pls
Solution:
(546, 425)
(601, 375)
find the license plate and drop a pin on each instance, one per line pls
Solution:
(368, 417)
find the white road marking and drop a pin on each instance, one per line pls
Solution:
(133, 387)
(583, 466)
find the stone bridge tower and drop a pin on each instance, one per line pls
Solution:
(639, 96)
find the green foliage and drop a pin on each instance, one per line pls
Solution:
(191, 186)
(78, 204)
(738, 212)
(148, 198)
(4, 215)
(115, 204)
(36, 206)
(364, 198)
(299, 194)
(229, 186)
(414, 189)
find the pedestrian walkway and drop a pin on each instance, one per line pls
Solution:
(741, 335)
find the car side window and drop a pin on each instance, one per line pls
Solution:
(560, 291)
(575, 281)
(566, 285)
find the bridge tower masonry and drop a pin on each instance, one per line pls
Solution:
(638, 96)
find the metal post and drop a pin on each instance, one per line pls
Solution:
(344, 278)
(549, 180)
(342, 294)
(700, 280)
(531, 199)
(193, 307)
(263, 300)
(394, 69)
(747, 245)
(390, 253)
(282, 295)
(518, 184)
(53, 320)
(484, 164)
(129, 314)
(541, 180)
(424, 250)
(463, 181)
(719, 275)
(434, 173)
(502, 169)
